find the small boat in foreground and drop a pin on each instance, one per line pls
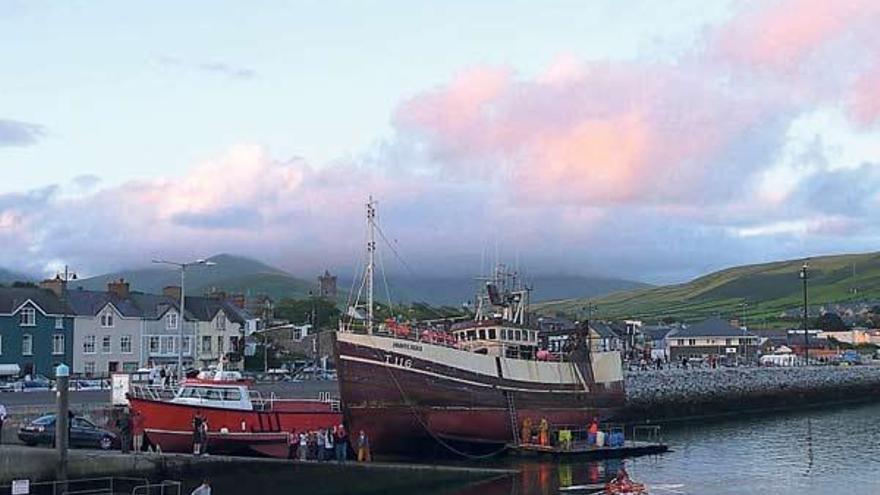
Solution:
(240, 420)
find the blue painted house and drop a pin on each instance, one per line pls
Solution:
(36, 330)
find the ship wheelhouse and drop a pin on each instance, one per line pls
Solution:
(497, 338)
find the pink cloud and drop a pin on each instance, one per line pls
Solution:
(864, 99)
(781, 35)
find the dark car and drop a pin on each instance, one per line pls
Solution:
(83, 433)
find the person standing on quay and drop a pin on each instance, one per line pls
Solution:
(321, 444)
(363, 447)
(123, 425)
(341, 443)
(328, 444)
(203, 489)
(2, 419)
(198, 425)
(303, 446)
(137, 430)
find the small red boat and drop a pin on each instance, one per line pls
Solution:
(240, 420)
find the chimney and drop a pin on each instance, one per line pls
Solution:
(56, 285)
(172, 291)
(119, 287)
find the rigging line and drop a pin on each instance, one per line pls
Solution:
(387, 289)
(393, 250)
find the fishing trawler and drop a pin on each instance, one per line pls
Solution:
(468, 387)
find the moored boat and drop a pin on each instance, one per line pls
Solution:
(240, 420)
(467, 387)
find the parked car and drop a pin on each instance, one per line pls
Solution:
(83, 433)
(30, 386)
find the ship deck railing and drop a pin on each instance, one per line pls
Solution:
(95, 486)
(580, 437)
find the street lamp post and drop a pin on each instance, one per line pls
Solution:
(804, 277)
(182, 266)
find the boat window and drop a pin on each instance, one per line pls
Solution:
(213, 394)
(482, 334)
(517, 335)
(472, 334)
(503, 334)
(231, 394)
(491, 334)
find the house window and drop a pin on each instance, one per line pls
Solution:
(89, 344)
(167, 345)
(59, 323)
(727, 341)
(220, 322)
(206, 345)
(27, 345)
(105, 344)
(233, 344)
(680, 342)
(89, 367)
(125, 344)
(171, 321)
(154, 345)
(220, 345)
(1, 345)
(107, 319)
(58, 343)
(129, 366)
(692, 342)
(187, 346)
(27, 317)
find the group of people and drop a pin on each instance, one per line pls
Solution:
(328, 444)
(130, 425)
(527, 432)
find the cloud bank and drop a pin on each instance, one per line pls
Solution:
(758, 143)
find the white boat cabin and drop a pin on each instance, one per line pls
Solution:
(497, 340)
(221, 396)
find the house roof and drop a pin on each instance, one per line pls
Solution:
(604, 331)
(13, 297)
(89, 303)
(713, 327)
(152, 306)
(657, 332)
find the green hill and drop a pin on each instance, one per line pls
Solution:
(8, 276)
(231, 274)
(768, 289)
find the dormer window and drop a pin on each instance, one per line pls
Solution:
(220, 322)
(171, 321)
(27, 317)
(107, 319)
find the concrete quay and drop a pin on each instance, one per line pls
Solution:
(677, 394)
(236, 474)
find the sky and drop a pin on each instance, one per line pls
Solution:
(647, 140)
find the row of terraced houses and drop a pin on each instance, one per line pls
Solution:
(115, 330)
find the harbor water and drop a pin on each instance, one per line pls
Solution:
(829, 451)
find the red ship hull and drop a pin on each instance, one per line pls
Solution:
(169, 425)
(408, 404)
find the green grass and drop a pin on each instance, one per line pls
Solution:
(768, 289)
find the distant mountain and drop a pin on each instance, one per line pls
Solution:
(767, 289)
(8, 276)
(453, 291)
(231, 274)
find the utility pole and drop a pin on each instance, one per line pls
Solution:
(589, 310)
(745, 332)
(804, 277)
(182, 318)
(62, 421)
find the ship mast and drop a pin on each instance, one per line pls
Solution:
(371, 260)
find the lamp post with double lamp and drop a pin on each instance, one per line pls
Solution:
(182, 266)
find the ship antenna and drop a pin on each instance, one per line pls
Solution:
(371, 260)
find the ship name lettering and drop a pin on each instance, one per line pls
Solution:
(398, 360)
(407, 346)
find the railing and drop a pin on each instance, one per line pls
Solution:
(151, 392)
(101, 486)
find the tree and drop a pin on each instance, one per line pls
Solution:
(830, 322)
(299, 311)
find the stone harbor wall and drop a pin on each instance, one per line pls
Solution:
(676, 394)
